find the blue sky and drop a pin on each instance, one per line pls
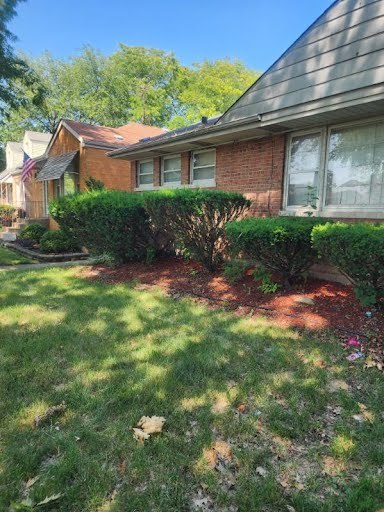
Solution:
(255, 31)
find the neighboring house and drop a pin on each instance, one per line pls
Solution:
(76, 152)
(309, 130)
(12, 190)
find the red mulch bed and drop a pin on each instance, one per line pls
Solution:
(335, 305)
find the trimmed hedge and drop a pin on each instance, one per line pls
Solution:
(358, 251)
(105, 222)
(58, 242)
(281, 244)
(33, 232)
(195, 220)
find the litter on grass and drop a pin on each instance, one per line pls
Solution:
(354, 356)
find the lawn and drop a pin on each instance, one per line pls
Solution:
(9, 257)
(259, 418)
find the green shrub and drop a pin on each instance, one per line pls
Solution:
(195, 220)
(234, 270)
(358, 251)
(93, 185)
(281, 244)
(106, 222)
(58, 242)
(6, 214)
(267, 284)
(33, 232)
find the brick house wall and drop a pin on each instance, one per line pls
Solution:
(254, 168)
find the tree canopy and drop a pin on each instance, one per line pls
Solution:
(132, 84)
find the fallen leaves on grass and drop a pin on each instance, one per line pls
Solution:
(55, 410)
(336, 385)
(148, 425)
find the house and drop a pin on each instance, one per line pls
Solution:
(12, 190)
(76, 152)
(310, 130)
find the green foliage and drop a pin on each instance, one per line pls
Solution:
(33, 232)
(132, 84)
(358, 251)
(112, 222)
(210, 88)
(196, 219)
(267, 284)
(92, 184)
(281, 244)
(234, 270)
(58, 242)
(6, 214)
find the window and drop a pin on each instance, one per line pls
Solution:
(355, 171)
(71, 182)
(203, 166)
(145, 174)
(171, 170)
(303, 168)
(343, 171)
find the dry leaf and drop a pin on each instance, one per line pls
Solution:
(151, 424)
(242, 408)
(49, 499)
(31, 481)
(51, 411)
(261, 471)
(140, 435)
(337, 385)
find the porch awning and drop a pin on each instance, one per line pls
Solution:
(55, 166)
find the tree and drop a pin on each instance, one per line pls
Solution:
(141, 85)
(11, 67)
(211, 87)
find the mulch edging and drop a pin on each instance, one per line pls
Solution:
(45, 257)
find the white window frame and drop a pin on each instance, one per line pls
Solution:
(323, 210)
(147, 186)
(171, 184)
(206, 183)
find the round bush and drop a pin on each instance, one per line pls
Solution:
(57, 242)
(358, 251)
(33, 232)
(281, 244)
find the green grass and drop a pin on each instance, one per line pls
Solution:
(9, 257)
(116, 353)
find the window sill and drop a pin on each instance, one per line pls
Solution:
(335, 213)
(203, 184)
(146, 188)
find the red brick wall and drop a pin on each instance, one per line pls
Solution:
(255, 168)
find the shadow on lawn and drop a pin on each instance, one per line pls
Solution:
(113, 354)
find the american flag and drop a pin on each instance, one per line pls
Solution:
(28, 166)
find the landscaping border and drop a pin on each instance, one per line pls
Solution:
(45, 257)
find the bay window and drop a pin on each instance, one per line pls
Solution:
(145, 174)
(171, 170)
(341, 170)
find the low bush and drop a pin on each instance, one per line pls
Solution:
(33, 232)
(195, 220)
(281, 244)
(106, 222)
(234, 270)
(58, 242)
(358, 251)
(6, 214)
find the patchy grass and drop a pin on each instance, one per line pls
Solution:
(9, 257)
(258, 418)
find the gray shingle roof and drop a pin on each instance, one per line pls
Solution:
(55, 166)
